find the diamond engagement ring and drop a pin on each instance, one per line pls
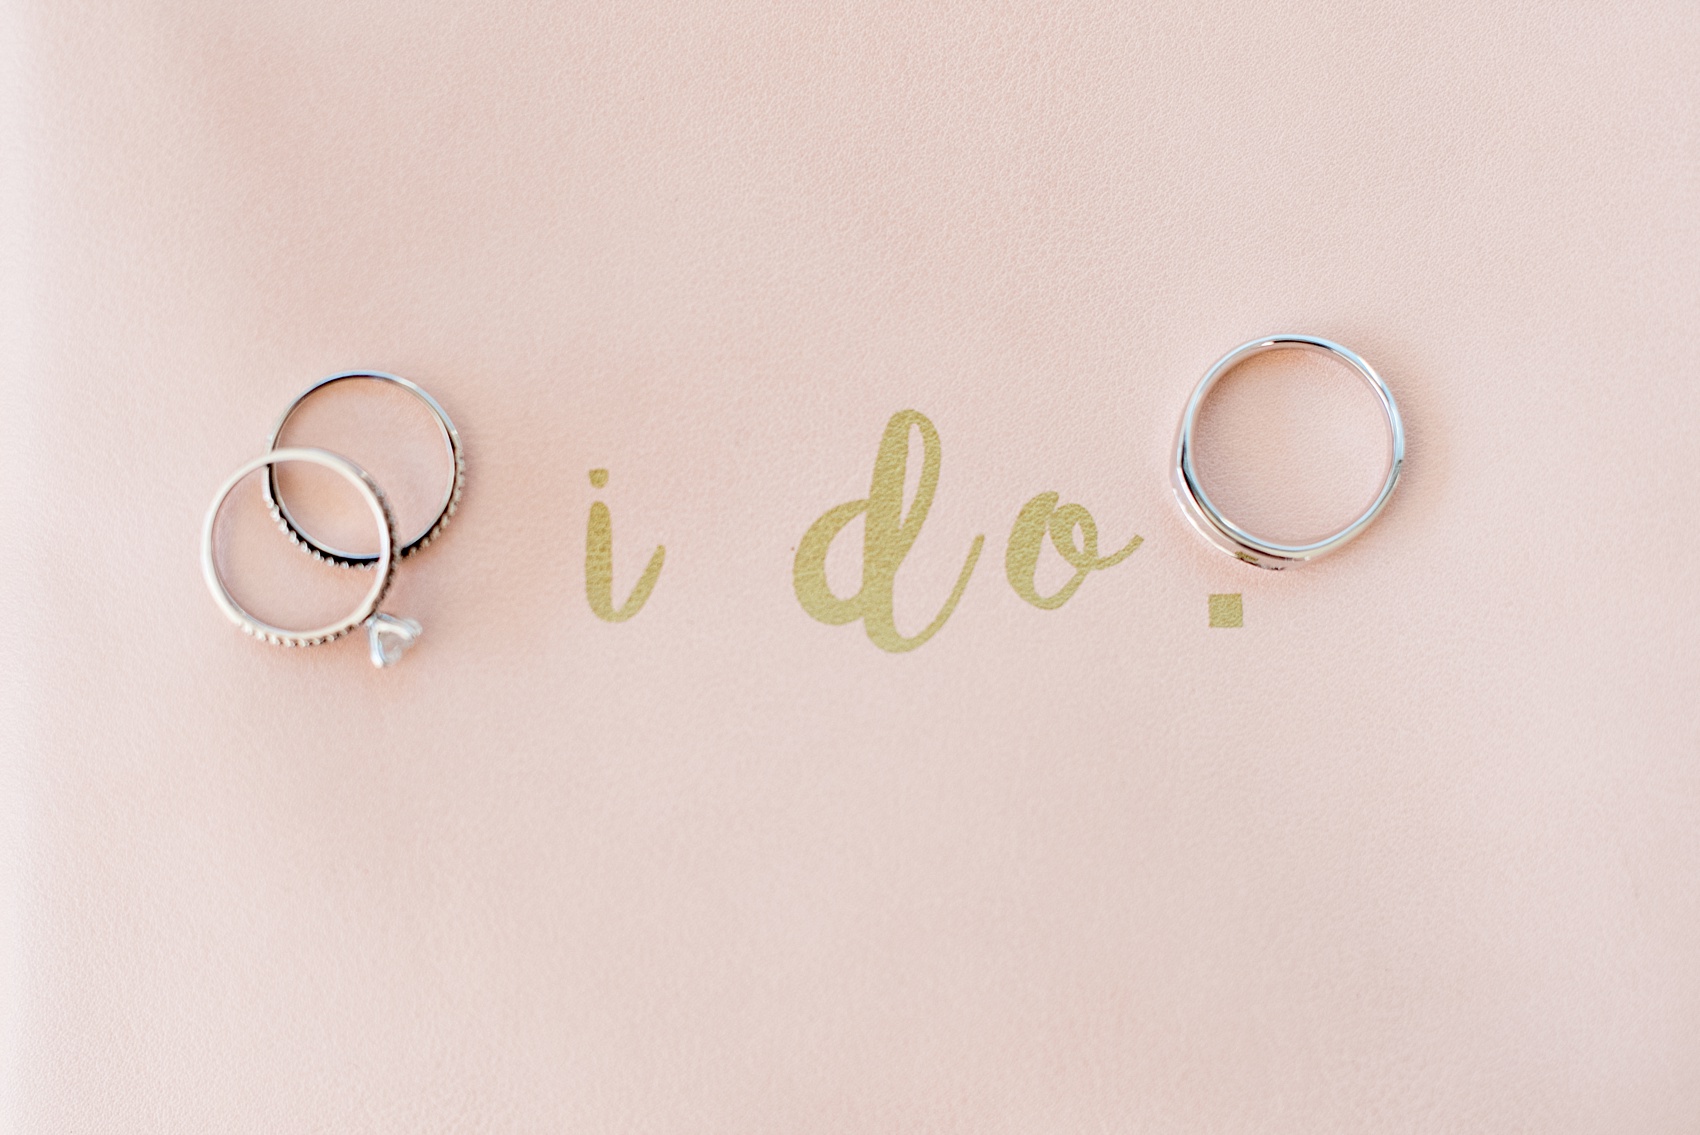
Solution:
(388, 636)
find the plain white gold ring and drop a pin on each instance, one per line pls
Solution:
(1232, 538)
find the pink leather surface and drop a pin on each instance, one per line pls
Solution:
(1416, 849)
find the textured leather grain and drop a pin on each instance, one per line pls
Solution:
(1414, 850)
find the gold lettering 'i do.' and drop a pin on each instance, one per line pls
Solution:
(889, 533)
(599, 563)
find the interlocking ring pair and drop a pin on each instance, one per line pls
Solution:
(388, 635)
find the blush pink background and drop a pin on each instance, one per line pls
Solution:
(1417, 849)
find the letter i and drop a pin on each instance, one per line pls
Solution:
(599, 563)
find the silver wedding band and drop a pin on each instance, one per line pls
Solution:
(1232, 538)
(451, 495)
